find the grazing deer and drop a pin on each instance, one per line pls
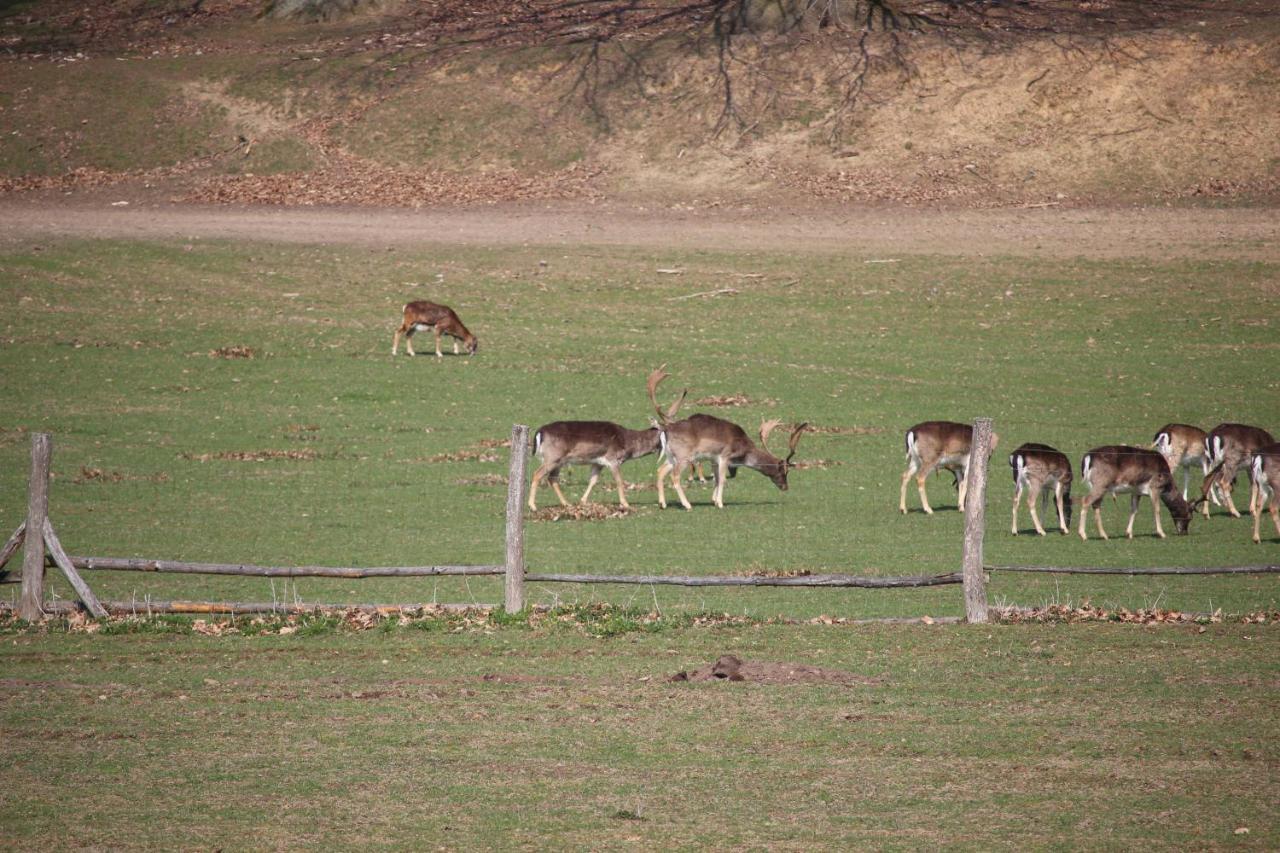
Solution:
(1184, 447)
(1036, 468)
(1231, 446)
(705, 437)
(933, 445)
(440, 319)
(1138, 471)
(1265, 473)
(600, 444)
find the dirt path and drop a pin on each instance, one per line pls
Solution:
(1240, 234)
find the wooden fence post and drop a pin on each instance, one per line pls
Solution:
(514, 599)
(29, 605)
(975, 587)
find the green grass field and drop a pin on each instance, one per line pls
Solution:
(982, 736)
(108, 347)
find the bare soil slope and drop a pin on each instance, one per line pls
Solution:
(964, 104)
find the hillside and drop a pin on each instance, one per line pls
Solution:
(700, 103)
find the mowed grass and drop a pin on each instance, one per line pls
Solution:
(985, 737)
(112, 347)
(499, 737)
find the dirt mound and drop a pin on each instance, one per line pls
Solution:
(733, 668)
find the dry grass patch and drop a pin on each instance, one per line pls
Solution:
(581, 512)
(846, 430)
(307, 455)
(236, 351)
(97, 475)
(482, 480)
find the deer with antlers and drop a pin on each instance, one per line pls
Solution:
(1138, 471)
(706, 437)
(935, 445)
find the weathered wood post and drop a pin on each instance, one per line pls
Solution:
(29, 605)
(514, 599)
(975, 587)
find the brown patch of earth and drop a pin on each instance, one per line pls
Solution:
(733, 668)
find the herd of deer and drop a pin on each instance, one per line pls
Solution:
(1113, 469)
(931, 446)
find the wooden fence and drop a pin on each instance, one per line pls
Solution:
(47, 548)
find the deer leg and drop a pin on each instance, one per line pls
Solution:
(1257, 520)
(591, 483)
(722, 471)
(1062, 508)
(554, 480)
(1017, 499)
(436, 329)
(395, 340)
(622, 486)
(533, 487)
(962, 483)
(1275, 511)
(1031, 505)
(1155, 506)
(921, 479)
(408, 339)
(663, 470)
(1227, 484)
(912, 466)
(455, 346)
(676, 478)
(1133, 513)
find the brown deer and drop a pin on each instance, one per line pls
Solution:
(705, 437)
(1265, 473)
(1037, 468)
(1184, 447)
(1119, 468)
(1230, 447)
(934, 445)
(440, 319)
(600, 444)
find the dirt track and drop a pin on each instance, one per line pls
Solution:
(1240, 234)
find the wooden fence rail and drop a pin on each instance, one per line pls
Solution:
(1169, 570)
(865, 582)
(130, 564)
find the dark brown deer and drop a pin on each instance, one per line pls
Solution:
(706, 437)
(1036, 469)
(600, 444)
(1184, 447)
(1231, 447)
(933, 445)
(440, 319)
(1138, 471)
(1265, 473)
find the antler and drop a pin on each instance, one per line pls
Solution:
(767, 427)
(655, 379)
(795, 439)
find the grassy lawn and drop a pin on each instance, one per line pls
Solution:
(111, 347)
(1001, 736)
